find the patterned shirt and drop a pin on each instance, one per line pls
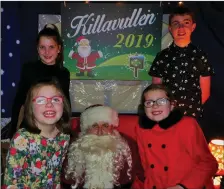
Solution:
(180, 70)
(35, 161)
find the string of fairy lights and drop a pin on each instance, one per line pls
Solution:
(179, 3)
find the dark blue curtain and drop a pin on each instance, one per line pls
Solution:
(209, 36)
(19, 28)
(10, 55)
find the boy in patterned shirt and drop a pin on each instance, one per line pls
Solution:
(183, 67)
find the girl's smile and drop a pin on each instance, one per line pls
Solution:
(157, 105)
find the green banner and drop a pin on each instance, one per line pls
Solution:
(110, 41)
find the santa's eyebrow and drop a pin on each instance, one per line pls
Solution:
(95, 125)
(105, 124)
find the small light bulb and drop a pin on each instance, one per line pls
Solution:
(119, 3)
(180, 3)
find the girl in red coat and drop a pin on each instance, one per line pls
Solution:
(172, 147)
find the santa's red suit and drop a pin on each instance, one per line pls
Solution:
(88, 62)
(174, 151)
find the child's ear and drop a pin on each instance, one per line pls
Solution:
(59, 48)
(173, 105)
(169, 28)
(193, 26)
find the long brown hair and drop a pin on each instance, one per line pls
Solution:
(63, 124)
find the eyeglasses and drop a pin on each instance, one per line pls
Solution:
(44, 100)
(159, 102)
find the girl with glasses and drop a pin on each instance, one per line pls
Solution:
(172, 147)
(38, 149)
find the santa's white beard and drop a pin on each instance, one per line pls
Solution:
(100, 157)
(84, 51)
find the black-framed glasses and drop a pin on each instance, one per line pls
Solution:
(44, 100)
(159, 102)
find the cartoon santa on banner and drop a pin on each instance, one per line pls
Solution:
(85, 57)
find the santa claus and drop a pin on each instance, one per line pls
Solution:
(102, 157)
(85, 57)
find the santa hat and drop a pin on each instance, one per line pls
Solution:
(79, 39)
(97, 114)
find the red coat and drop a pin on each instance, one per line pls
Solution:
(88, 62)
(176, 154)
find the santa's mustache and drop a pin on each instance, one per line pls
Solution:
(95, 144)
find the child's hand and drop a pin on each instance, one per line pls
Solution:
(176, 187)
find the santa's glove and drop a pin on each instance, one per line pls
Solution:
(70, 53)
(100, 54)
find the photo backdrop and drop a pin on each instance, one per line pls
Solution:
(124, 96)
(123, 39)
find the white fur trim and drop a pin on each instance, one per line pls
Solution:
(50, 26)
(96, 115)
(70, 54)
(100, 53)
(90, 67)
(81, 68)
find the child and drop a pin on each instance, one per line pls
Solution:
(38, 149)
(50, 63)
(172, 147)
(183, 67)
